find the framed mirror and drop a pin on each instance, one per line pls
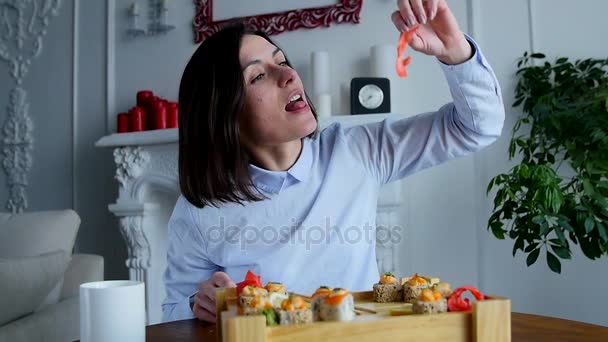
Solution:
(273, 17)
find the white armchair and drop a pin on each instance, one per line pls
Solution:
(40, 278)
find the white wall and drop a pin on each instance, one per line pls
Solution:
(558, 28)
(445, 208)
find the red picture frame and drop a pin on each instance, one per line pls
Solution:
(345, 11)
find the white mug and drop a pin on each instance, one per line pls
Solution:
(113, 310)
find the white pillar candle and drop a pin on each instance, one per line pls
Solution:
(382, 60)
(323, 105)
(319, 61)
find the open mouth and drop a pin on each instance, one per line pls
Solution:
(296, 102)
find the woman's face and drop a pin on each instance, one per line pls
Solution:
(276, 110)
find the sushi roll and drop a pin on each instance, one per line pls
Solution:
(248, 294)
(413, 287)
(255, 306)
(316, 300)
(338, 306)
(430, 302)
(276, 287)
(294, 310)
(276, 294)
(443, 288)
(388, 289)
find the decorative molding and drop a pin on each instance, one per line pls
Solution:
(130, 162)
(275, 23)
(17, 149)
(23, 23)
(137, 243)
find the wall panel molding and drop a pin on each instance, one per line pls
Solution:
(23, 25)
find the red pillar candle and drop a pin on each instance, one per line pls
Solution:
(160, 115)
(172, 115)
(142, 96)
(136, 119)
(122, 123)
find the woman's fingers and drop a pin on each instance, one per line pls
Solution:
(418, 10)
(398, 22)
(203, 314)
(205, 302)
(221, 279)
(414, 12)
(431, 8)
(407, 15)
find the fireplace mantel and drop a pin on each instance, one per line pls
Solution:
(146, 172)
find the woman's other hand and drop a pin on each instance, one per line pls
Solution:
(204, 301)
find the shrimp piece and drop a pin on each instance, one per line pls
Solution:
(404, 40)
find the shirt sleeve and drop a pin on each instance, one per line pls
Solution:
(187, 262)
(394, 148)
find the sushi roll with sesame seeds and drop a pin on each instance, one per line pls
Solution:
(294, 310)
(430, 302)
(249, 293)
(413, 287)
(388, 289)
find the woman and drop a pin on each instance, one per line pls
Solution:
(262, 190)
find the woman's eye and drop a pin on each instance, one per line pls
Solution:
(284, 63)
(257, 78)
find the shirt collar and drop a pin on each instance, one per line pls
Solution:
(274, 181)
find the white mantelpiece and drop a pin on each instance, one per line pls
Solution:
(146, 171)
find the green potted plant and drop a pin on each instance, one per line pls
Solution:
(556, 195)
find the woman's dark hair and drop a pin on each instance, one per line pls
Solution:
(213, 163)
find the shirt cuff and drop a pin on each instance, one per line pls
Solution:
(475, 68)
(182, 310)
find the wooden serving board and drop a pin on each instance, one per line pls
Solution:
(490, 320)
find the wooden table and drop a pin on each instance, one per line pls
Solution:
(524, 327)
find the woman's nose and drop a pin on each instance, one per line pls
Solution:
(286, 76)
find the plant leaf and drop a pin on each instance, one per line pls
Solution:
(554, 263)
(519, 244)
(560, 234)
(490, 186)
(602, 230)
(531, 259)
(497, 230)
(531, 247)
(537, 55)
(589, 224)
(561, 252)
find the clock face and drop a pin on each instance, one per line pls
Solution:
(371, 96)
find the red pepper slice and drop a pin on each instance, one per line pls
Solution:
(456, 303)
(251, 279)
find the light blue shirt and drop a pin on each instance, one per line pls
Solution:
(317, 226)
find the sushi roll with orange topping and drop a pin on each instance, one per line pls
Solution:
(430, 302)
(276, 294)
(249, 293)
(388, 289)
(316, 300)
(294, 310)
(443, 288)
(338, 306)
(255, 306)
(413, 288)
